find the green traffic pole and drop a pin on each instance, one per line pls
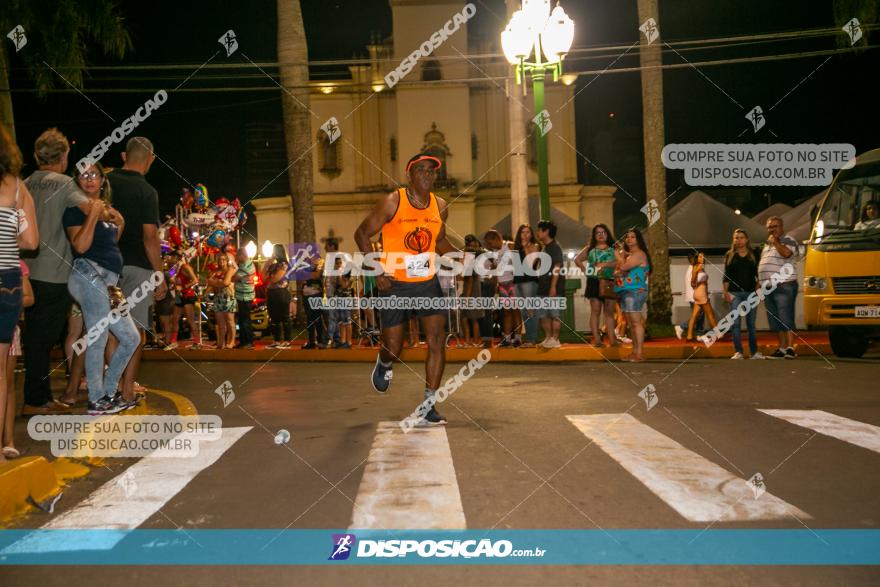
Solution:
(541, 143)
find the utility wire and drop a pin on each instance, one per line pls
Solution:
(343, 84)
(777, 36)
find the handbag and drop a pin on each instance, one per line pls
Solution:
(606, 289)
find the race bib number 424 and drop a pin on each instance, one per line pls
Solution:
(418, 265)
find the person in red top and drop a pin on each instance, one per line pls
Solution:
(184, 281)
(412, 221)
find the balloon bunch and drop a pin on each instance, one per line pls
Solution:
(197, 214)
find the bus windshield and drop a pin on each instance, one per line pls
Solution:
(852, 209)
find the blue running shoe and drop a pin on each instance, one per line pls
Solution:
(432, 418)
(381, 376)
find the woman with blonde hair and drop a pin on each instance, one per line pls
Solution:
(221, 284)
(700, 283)
(741, 281)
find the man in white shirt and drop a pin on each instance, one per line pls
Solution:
(778, 259)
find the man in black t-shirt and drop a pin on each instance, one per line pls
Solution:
(138, 202)
(550, 284)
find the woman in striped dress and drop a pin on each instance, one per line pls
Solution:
(18, 229)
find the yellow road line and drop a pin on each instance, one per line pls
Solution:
(40, 479)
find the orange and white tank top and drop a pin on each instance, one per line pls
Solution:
(409, 240)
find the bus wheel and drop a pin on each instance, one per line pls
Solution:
(847, 342)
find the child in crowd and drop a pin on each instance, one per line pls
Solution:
(343, 289)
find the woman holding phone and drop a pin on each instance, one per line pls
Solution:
(93, 284)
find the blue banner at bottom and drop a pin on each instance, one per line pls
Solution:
(433, 547)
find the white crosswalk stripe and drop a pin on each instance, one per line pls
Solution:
(851, 431)
(409, 482)
(157, 480)
(695, 487)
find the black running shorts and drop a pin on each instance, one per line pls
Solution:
(405, 289)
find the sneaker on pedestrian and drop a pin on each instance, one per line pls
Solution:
(679, 331)
(625, 339)
(124, 403)
(737, 356)
(170, 347)
(382, 375)
(309, 345)
(505, 342)
(272, 345)
(105, 406)
(547, 343)
(777, 354)
(432, 418)
(789, 353)
(757, 356)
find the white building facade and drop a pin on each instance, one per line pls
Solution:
(453, 104)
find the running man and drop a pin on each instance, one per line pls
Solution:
(412, 221)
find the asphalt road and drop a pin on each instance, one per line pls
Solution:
(519, 462)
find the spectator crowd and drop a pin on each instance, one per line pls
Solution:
(82, 259)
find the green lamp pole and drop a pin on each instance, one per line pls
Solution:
(549, 35)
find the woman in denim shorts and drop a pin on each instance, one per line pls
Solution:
(18, 228)
(633, 271)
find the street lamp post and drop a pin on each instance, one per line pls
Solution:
(534, 28)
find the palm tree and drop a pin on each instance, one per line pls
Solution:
(653, 131)
(293, 58)
(58, 38)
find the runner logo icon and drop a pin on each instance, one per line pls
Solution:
(343, 544)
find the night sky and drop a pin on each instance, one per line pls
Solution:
(201, 136)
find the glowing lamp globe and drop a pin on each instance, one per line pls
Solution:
(250, 249)
(517, 39)
(558, 35)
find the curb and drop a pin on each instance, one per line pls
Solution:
(39, 479)
(567, 353)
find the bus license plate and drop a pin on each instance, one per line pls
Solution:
(867, 311)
